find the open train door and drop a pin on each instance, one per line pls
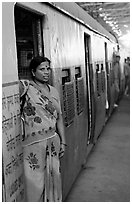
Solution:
(90, 90)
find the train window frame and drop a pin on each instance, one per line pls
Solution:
(79, 86)
(28, 44)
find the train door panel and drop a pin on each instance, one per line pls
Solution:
(103, 91)
(100, 98)
(93, 108)
(98, 101)
(89, 88)
(109, 83)
(68, 108)
(107, 92)
(112, 88)
(74, 122)
(81, 120)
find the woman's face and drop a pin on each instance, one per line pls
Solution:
(42, 72)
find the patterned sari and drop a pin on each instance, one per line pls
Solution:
(41, 144)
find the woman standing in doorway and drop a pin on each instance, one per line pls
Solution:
(42, 146)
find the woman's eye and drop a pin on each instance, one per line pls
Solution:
(44, 69)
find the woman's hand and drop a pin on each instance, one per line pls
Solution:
(62, 149)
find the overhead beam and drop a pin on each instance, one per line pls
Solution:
(89, 4)
(111, 10)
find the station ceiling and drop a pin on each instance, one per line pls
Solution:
(114, 16)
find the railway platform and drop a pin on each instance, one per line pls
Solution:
(106, 174)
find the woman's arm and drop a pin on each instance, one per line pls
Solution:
(60, 130)
(59, 123)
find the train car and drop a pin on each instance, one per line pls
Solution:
(81, 54)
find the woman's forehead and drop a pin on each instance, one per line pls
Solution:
(44, 64)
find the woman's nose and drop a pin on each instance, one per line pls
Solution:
(46, 70)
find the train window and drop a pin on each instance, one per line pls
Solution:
(102, 78)
(29, 42)
(79, 90)
(97, 80)
(68, 97)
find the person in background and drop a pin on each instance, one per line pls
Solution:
(117, 76)
(43, 141)
(127, 76)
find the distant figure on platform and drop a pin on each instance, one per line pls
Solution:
(117, 75)
(44, 141)
(127, 76)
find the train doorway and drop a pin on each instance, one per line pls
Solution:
(29, 38)
(90, 90)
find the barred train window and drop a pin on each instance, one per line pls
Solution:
(68, 97)
(29, 41)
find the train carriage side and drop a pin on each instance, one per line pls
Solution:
(62, 39)
(67, 41)
(80, 66)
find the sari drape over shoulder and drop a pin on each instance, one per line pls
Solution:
(41, 144)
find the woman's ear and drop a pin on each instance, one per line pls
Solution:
(33, 73)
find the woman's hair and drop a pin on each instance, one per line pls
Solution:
(36, 61)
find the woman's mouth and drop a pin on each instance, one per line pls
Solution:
(46, 77)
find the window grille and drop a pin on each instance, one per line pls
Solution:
(68, 97)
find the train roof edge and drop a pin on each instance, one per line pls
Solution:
(76, 12)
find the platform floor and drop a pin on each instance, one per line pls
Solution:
(106, 175)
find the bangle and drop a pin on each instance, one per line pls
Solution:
(63, 144)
